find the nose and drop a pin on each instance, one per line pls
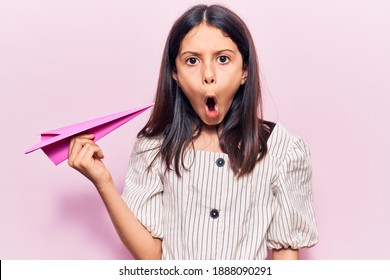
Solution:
(209, 79)
(209, 74)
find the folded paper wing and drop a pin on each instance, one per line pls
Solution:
(55, 143)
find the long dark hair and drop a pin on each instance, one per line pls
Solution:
(243, 135)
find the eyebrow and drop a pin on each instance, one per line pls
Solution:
(199, 54)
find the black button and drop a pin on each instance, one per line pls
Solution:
(220, 162)
(214, 213)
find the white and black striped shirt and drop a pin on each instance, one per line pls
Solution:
(210, 214)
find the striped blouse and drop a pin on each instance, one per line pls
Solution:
(210, 214)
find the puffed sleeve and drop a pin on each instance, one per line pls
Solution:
(293, 224)
(143, 189)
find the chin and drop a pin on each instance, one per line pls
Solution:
(212, 122)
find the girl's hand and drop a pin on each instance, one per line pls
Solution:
(86, 157)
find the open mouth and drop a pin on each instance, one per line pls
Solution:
(210, 103)
(211, 107)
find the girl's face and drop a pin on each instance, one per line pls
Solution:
(209, 70)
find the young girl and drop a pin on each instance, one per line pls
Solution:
(208, 178)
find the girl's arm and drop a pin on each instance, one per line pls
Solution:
(285, 254)
(86, 157)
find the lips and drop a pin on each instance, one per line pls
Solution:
(211, 107)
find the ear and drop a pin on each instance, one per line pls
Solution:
(174, 75)
(244, 76)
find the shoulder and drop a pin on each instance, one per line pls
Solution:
(144, 144)
(146, 149)
(282, 143)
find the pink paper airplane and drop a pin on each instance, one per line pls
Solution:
(55, 143)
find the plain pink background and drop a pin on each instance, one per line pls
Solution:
(325, 68)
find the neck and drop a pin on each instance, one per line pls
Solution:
(208, 139)
(209, 129)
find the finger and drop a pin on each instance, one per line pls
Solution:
(76, 138)
(87, 136)
(79, 158)
(97, 152)
(94, 151)
(74, 149)
(90, 165)
(71, 144)
(88, 153)
(77, 145)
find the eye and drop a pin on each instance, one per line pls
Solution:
(223, 59)
(192, 61)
